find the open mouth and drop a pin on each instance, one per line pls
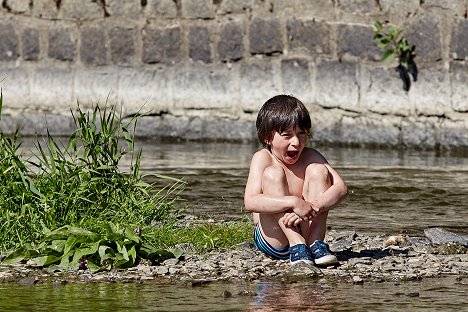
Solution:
(292, 154)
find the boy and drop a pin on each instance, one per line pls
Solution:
(290, 187)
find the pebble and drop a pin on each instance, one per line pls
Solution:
(361, 261)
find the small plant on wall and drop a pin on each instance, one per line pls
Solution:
(396, 47)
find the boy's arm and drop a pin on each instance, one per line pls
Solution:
(256, 201)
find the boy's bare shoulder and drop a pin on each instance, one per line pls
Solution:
(262, 154)
(262, 158)
(313, 155)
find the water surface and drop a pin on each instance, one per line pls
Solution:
(443, 294)
(389, 191)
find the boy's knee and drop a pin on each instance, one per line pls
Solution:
(274, 174)
(317, 172)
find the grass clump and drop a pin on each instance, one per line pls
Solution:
(72, 207)
(77, 182)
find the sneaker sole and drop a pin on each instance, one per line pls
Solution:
(326, 260)
(302, 261)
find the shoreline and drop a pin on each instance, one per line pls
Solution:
(362, 259)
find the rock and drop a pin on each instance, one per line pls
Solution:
(301, 271)
(30, 280)
(343, 242)
(357, 280)
(440, 236)
(451, 248)
(395, 240)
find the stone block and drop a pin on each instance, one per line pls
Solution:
(200, 87)
(130, 9)
(164, 8)
(401, 8)
(52, 89)
(31, 46)
(236, 6)
(96, 86)
(258, 84)
(355, 131)
(40, 123)
(93, 50)
(81, 10)
(145, 90)
(15, 83)
(425, 34)
(17, 6)
(457, 7)
(229, 129)
(8, 43)
(459, 81)
(384, 93)
(122, 45)
(421, 134)
(431, 93)
(325, 125)
(459, 41)
(311, 35)
(357, 41)
(265, 36)
(47, 9)
(305, 8)
(453, 133)
(296, 79)
(162, 45)
(231, 45)
(359, 6)
(62, 44)
(197, 9)
(337, 85)
(199, 44)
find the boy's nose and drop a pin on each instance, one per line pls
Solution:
(294, 140)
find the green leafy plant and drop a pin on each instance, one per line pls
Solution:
(396, 47)
(79, 182)
(73, 248)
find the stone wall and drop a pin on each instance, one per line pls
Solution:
(201, 69)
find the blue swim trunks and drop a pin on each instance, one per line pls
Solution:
(266, 248)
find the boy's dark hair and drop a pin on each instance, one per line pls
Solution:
(280, 113)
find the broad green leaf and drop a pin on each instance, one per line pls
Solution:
(85, 251)
(16, 256)
(45, 260)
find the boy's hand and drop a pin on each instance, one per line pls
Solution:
(305, 210)
(291, 219)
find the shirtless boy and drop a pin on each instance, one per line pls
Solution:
(291, 187)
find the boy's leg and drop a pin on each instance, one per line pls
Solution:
(316, 181)
(274, 231)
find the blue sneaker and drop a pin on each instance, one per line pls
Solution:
(321, 254)
(300, 253)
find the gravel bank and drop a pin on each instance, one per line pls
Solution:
(363, 258)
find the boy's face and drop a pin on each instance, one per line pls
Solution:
(288, 145)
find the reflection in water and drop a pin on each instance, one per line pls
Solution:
(276, 296)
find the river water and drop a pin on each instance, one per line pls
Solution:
(389, 192)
